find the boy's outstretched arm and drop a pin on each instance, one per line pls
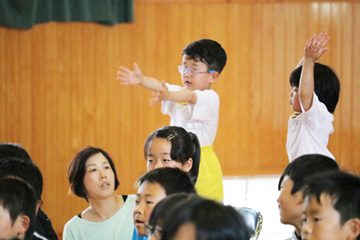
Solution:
(178, 96)
(128, 77)
(314, 49)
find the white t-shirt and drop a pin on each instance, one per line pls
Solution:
(308, 132)
(119, 227)
(200, 118)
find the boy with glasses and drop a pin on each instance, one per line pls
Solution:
(193, 106)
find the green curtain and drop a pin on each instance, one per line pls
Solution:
(24, 14)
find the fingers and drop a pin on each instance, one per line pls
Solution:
(322, 39)
(122, 74)
(124, 69)
(323, 50)
(136, 68)
(153, 102)
(317, 42)
(155, 99)
(163, 85)
(123, 77)
(158, 95)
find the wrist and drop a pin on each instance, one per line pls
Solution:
(308, 60)
(141, 81)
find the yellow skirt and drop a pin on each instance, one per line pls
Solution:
(209, 183)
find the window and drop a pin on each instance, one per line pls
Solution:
(259, 193)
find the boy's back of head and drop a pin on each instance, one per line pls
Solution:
(18, 199)
(207, 51)
(173, 180)
(10, 150)
(162, 208)
(326, 84)
(304, 166)
(209, 220)
(342, 187)
(27, 171)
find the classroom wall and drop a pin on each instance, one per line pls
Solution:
(59, 92)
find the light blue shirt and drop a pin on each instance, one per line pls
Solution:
(118, 227)
(136, 236)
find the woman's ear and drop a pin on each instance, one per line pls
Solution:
(187, 165)
(22, 224)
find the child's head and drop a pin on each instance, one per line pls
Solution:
(207, 51)
(78, 169)
(202, 63)
(25, 170)
(290, 200)
(158, 214)
(10, 150)
(326, 84)
(155, 186)
(17, 209)
(332, 207)
(204, 219)
(173, 146)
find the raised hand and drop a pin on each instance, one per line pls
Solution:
(314, 48)
(128, 77)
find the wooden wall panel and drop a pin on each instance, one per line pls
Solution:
(59, 91)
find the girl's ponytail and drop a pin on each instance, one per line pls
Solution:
(195, 156)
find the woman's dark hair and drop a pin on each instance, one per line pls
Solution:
(77, 169)
(212, 221)
(184, 145)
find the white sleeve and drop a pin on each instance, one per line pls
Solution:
(207, 103)
(316, 115)
(167, 106)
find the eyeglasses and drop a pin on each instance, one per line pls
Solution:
(182, 69)
(155, 231)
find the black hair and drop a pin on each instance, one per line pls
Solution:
(342, 187)
(212, 221)
(27, 171)
(12, 150)
(304, 166)
(184, 145)
(326, 84)
(162, 208)
(77, 169)
(173, 180)
(207, 51)
(18, 198)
